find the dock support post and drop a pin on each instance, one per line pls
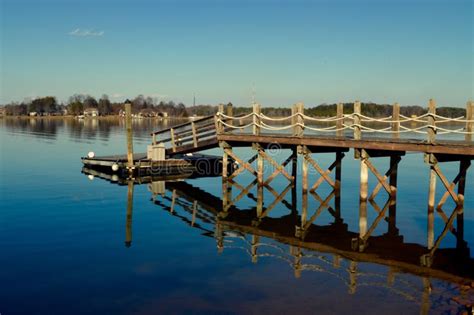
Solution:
(294, 171)
(463, 165)
(431, 206)
(128, 123)
(337, 197)
(364, 184)
(260, 170)
(226, 187)
(304, 207)
(128, 224)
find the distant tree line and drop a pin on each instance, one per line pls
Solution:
(77, 103)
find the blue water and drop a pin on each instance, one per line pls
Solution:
(62, 244)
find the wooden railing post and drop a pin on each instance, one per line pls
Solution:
(293, 119)
(220, 126)
(340, 120)
(195, 141)
(431, 121)
(357, 120)
(300, 119)
(229, 112)
(256, 119)
(469, 118)
(396, 121)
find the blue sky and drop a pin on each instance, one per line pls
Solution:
(311, 51)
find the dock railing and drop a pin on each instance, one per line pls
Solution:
(191, 133)
(352, 125)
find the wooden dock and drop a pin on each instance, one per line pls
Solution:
(440, 139)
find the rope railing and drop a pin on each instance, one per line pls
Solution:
(426, 124)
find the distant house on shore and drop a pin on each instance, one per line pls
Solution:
(147, 112)
(91, 112)
(33, 114)
(2, 111)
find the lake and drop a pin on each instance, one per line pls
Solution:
(77, 244)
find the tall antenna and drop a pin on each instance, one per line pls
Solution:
(194, 99)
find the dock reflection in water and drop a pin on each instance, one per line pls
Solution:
(332, 248)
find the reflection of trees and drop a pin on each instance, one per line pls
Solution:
(41, 128)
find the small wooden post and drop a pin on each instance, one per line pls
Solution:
(392, 210)
(431, 206)
(340, 120)
(256, 119)
(153, 139)
(128, 123)
(431, 121)
(396, 121)
(128, 224)
(357, 121)
(470, 120)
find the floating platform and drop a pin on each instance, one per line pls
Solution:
(189, 165)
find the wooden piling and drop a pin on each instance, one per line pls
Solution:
(469, 120)
(340, 120)
(364, 185)
(128, 123)
(229, 112)
(256, 119)
(463, 166)
(431, 206)
(260, 170)
(396, 121)
(304, 208)
(357, 121)
(337, 188)
(299, 119)
(431, 121)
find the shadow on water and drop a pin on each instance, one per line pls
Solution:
(307, 246)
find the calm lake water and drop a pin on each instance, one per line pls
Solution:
(69, 245)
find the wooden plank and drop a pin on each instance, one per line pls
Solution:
(320, 170)
(446, 183)
(279, 167)
(244, 164)
(380, 178)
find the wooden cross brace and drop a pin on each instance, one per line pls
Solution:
(382, 180)
(360, 243)
(457, 212)
(324, 173)
(323, 204)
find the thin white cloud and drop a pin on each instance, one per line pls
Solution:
(86, 33)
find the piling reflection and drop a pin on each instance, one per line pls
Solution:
(306, 245)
